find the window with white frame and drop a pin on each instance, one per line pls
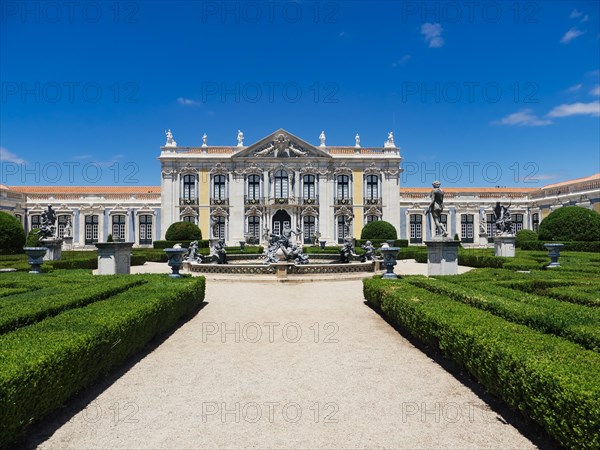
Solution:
(219, 192)
(281, 184)
(91, 229)
(36, 220)
(443, 221)
(416, 228)
(517, 220)
(189, 187)
(535, 221)
(62, 223)
(254, 226)
(145, 221)
(191, 219)
(491, 225)
(467, 228)
(372, 218)
(343, 187)
(253, 187)
(219, 227)
(308, 187)
(372, 188)
(309, 227)
(118, 226)
(342, 228)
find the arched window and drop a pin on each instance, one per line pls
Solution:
(189, 188)
(145, 229)
(281, 184)
(372, 188)
(219, 187)
(253, 187)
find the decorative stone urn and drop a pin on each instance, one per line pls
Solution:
(35, 257)
(389, 260)
(553, 253)
(175, 260)
(322, 243)
(242, 245)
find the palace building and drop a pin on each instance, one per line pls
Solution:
(241, 193)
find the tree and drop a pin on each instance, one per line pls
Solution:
(379, 229)
(12, 235)
(570, 223)
(183, 231)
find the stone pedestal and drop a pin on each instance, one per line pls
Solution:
(504, 245)
(68, 242)
(54, 246)
(114, 258)
(442, 257)
(281, 269)
(483, 239)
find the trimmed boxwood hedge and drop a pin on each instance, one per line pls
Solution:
(570, 223)
(184, 243)
(549, 379)
(46, 363)
(12, 235)
(379, 229)
(569, 246)
(183, 231)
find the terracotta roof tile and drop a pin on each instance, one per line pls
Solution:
(576, 180)
(474, 190)
(87, 189)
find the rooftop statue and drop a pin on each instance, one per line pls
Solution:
(357, 140)
(240, 138)
(204, 139)
(322, 138)
(170, 141)
(435, 209)
(390, 140)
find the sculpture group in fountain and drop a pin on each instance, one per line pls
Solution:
(503, 220)
(170, 141)
(220, 253)
(346, 251)
(369, 254)
(192, 254)
(47, 229)
(281, 247)
(435, 210)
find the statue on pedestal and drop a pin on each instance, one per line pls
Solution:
(192, 254)
(357, 140)
(435, 209)
(204, 139)
(170, 141)
(47, 225)
(240, 139)
(390, 141)
(503, 219)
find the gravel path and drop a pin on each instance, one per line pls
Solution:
(285, 365)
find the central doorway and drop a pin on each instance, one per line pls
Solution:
(280, 219)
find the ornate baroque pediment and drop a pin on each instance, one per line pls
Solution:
(309, 211)
(344, 211)
(342, 169)
(219, 169)
(188, 169)
(218, 211)
(187, 211)
(372, 170)
(373, 211)
(281, 144)
(253, 211)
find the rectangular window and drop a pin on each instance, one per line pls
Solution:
(189, 219)
(220, 227)
(343, 187)
(219, 188)
(35, 221)
(491, 226)
(254, 187)
(467, 228)
(254, 226)
(341, 228)
(416, 228)
(535, 222)
(372, 191)
(309, 228)
(189, 188)
(91, 230)
(517, 222)
(118, 226)
(62, 223)
(145, 229)
(443, 221)
(308, 189)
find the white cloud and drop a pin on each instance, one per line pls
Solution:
(342, 34)
(7, 156)
(433, 34)
(585, 18)
(595, 91)
(187, 101)
(570, 35)
(524, 118)
(575, 14)
(575, 109)
(574, 88)
(401, 61)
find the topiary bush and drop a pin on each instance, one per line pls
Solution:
(33, 238)
(12, 235)
(525, 236)
(571, 223)
(379, 229)
(183, 231)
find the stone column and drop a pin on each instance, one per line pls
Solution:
(236, 211)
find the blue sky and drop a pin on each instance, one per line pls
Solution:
(477, 93)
